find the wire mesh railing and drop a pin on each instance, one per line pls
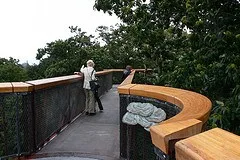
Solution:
(55, 107)
(29, 118)
(135, 141)
(15, 124)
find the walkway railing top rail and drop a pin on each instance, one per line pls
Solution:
(29, 86)
(10, 87)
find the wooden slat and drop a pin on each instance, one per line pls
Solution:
(50, 82)
(121, 70)
(103, 72)
(161, 134)
(11, 87)
(22, 87)
(129, 79)
(6, 87)
(114, 70)
(125, 89)
(215, 144)
(97, 73)
(195, 105)
(158, 92)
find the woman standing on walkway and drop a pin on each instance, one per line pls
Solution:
(89, 74)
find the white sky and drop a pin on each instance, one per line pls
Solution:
(26, 25)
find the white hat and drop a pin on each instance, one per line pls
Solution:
(90, 63)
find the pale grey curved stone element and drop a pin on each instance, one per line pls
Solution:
(142, 109)
(130, 118)
(157, 116)
(144, 114)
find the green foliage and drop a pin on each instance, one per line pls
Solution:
(35, 72)
(190, 44)
(11, 71)
(63, 57)
(120, 48)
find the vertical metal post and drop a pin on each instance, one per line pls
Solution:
(129, 142)
(17, 124)
(33, 121)
(4, 124)
(124, 101)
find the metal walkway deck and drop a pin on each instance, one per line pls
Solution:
(89, 137)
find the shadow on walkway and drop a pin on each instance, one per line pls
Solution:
(89, 137)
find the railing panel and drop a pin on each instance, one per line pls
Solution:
(105, 83)
(55, 107)
(77, 99)
(16, 134)
(135, 141)
(32, 112)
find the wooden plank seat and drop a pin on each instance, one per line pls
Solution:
(214, 144)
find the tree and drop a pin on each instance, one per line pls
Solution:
(194, 44)
(120, 49)
(215, 44)
(63, 57)
(149, 26)
(11, 71)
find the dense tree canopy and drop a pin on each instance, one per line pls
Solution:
(11, 71)
(194, 44)
(63, 57)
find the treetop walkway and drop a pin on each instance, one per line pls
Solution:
(33, 112)
(95, 137)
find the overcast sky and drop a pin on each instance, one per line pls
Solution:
(27, 25)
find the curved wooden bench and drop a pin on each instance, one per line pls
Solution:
(193, 105)
(195, 111)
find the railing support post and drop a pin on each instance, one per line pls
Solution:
(17, 125)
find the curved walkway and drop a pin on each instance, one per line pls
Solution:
(89, 137)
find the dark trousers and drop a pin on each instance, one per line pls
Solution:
(98, 100)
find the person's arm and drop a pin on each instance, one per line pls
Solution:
(82, 69)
